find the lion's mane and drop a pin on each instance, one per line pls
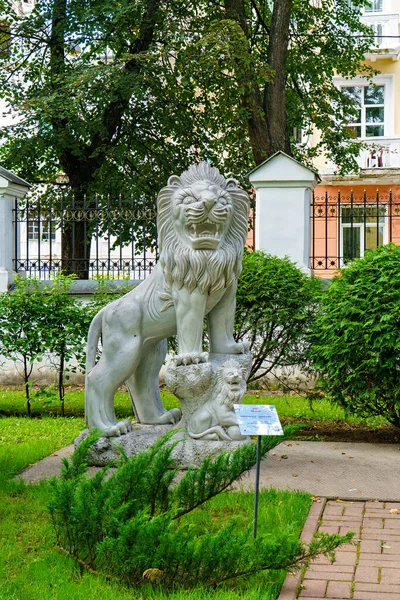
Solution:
(208, 270)
(225, 394)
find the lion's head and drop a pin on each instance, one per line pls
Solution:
(202, 228)
(231, 381)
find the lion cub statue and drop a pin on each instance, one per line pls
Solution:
(216, 419)
(202, 228)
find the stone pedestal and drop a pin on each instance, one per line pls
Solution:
(187, 453)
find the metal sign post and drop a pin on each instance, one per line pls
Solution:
(257, 419)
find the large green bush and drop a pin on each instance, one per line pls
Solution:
(274, 309)
(356, 336)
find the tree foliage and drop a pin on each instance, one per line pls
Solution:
(356, 333)
(276, 302)
(63, 329)
(117, 96)
(134, 525)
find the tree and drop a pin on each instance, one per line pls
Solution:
(114, 97)
(290, 51)
(63, 329)
(355, 336)
(21, 321)
(276, 303)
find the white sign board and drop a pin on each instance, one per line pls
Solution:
(258, 419)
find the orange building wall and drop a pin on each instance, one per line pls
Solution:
(324, 232)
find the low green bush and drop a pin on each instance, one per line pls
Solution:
(133, 526)
(275, 305)
(356, 336)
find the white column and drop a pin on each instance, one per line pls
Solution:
(283, 197)
(9, 192)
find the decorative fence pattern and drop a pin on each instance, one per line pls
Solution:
(343, 227)
(115, 239)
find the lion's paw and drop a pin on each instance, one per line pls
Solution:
(170, 417)
(190, 359)
(235, 348)
(119, 429)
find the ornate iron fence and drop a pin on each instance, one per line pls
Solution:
(343, 227)
(114, 239)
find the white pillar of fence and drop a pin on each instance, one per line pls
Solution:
(11, 188)
(282, 216)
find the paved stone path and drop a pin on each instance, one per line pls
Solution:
(366, 570)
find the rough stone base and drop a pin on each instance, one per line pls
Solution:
(188, 452)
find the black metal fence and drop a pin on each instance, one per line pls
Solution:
(104, 237)
(344, 226)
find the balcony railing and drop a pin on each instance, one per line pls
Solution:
(385, 28)
(380, 153)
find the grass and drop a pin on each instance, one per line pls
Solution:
(30, 565)
(45, 402)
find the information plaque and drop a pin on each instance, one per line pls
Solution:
(258, 419)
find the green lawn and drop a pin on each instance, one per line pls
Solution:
(30, 565)
(44, 402)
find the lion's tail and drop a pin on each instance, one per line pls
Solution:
(216, 432)
(94, 334)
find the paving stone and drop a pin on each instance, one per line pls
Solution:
(391, 548)
(391, 524)
(351, 529)
(313, 588)
(385, 560)
(377, 588)
(332, 568)
(373, 523)
(381, 535)
(346, 558)
(336, 509)
(338, 589)
(371, 546)
(359, 595)
(391, 576)
(329, 576)
(329, 529)
(367, 574)
(356, 511)
(339, 520)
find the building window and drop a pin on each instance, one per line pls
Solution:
(361, 228)
(33, 231)
(374, 6)
(370, 120)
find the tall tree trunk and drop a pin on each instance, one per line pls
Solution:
(266, 120)
(275, 98)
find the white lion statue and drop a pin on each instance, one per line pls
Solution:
(202, 229)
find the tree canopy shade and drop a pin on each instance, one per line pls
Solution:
(116, 96)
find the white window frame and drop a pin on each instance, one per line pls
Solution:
(361, 226)
(376, 6)
(34, 235)
(388, 82)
